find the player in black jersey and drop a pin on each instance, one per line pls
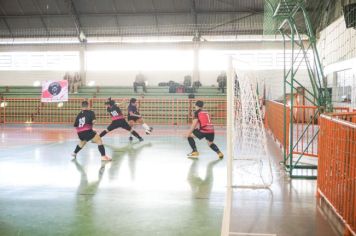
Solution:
(84, 126)
(134, 117)
(118, 120)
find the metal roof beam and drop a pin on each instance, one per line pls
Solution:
(146, 13)
(195, 17)
(20, 7)
(188, 33)
(75, 16)
(134, 6)
(56, 5)
(35, 2)
(156, 18)
(115, 9)
(5, 21)
(8, 27)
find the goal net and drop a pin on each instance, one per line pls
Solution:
(249, 159)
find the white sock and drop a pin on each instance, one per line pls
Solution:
(145, 126)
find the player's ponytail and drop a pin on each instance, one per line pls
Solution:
(110, 102)
(133, 100)
(199, 104)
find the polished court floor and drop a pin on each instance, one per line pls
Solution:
(149, 188)
(287, 208)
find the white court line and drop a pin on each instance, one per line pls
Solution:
(251, 234)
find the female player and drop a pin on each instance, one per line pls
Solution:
(205, 130)
(118, 120)
(84, 126)
(134, 117)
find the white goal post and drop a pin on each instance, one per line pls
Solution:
(248, 162)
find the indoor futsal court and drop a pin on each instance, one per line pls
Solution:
(178, 117)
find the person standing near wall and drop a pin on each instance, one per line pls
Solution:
(71, 83)
(76, 82)
(222, 81)
(66, 76)
(140, 80)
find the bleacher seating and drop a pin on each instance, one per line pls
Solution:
(23, 104)
(103, 92)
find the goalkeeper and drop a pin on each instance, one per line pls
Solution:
(205, 130)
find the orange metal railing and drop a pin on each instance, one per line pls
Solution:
(167, 111)
(274, 119)
(337, 166)
(305, 126)
(347, 116)
(335, 149)
(305, 122)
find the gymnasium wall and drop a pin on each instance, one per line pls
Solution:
(26, 78)
(267, 56)
(101, 78)
(337, 43)
(337, 49)
(273, 79)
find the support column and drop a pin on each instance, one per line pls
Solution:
(335, 89)
(82, 68)
(196, 71)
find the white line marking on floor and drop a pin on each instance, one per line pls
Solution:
(251, 234)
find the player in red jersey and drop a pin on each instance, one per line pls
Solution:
(84, 126)
(205, 130)
(118, 120)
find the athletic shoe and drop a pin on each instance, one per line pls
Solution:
(130, 139)
(74, 155)
(148, 131)
(106, 158)
(193, 154)
(221, 155)
(140, 139)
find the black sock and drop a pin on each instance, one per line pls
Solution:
(215, 148)
(102, 134)
(134, 133)
(192, 144)
(101, 149)
(77, 149)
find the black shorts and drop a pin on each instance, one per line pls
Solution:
(122, 123)
(86, 135)
(134, 118)
(208, 136)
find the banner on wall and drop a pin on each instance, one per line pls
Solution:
(55, 91)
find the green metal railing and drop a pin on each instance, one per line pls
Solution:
(294, 25)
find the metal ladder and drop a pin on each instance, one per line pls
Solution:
(296, 28)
